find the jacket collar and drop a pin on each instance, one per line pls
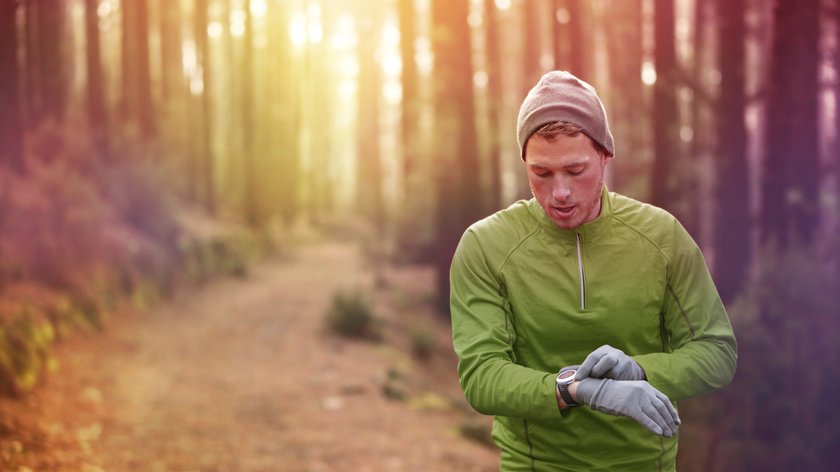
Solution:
(590, 229)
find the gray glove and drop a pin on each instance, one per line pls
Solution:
(611, 363)
(636, 399)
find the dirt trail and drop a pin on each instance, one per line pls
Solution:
(240, 375)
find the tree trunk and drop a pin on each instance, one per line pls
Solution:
(409, 123)
(694, 189)
(837, 130)
(731, 224)
(172, 78)
(458, 170)
(319, 182)
(145, 107)
(51, 27)
(202, 52)
(531, 72)
(247, 91)
(579, 47)
(369, 177)
(11, 124)
(790, 183)
(127, 71)
(287, 92)
(557, 37)
(494, 103)
(532, 51)
(626, 101)
(97, 117)
(136, 102)
(33, 106)
(665, 116)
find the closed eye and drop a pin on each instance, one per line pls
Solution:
(541, 171)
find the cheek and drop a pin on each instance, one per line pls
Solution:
(589, 183)
(536, 182)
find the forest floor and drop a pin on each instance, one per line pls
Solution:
(242, 375)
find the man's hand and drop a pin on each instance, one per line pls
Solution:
(636, 399)
(611, 363)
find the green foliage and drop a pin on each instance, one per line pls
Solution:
(351, 315)
(24, 352)
(780, 412)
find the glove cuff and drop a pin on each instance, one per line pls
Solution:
(588, 390)
(639, 373)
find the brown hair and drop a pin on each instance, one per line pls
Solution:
(552, 130)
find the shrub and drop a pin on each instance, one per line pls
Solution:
(351, 315)
(422, 342)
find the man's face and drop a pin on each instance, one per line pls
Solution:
(566, 177)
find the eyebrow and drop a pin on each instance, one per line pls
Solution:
(572, 164)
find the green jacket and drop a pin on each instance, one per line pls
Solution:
(528, 298)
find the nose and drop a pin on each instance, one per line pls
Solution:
(561, 191)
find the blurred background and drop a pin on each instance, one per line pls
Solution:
(149, 146)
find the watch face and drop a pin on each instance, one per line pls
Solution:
(569, 374)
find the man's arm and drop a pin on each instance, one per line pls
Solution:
(703, 351)
(483, 337)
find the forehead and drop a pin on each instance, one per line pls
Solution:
(560, 151)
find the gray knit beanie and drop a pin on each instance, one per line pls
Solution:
(560, 96)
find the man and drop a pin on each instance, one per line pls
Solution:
(611, 292)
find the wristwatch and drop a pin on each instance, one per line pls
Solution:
(564, 379)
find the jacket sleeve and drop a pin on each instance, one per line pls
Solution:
(483, 337)
(702, 349)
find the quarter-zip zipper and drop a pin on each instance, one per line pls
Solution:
(580, 272)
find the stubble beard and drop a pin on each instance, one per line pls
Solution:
(587, 210)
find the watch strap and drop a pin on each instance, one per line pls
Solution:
(566, 396)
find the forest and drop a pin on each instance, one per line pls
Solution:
(149, 144)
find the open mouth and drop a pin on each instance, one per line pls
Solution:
(564, 211)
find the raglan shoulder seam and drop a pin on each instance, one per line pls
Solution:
(516, 246)
(643, 235)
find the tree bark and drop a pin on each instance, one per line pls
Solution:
(494, 103)
(51, 27)
(172, 78)
(665, 116)
(287, 92)
(369, 177)
(11, 123)
(202, 50)
(458, 170)
(731, 224)
(531, 72)
(319, 182)
(626, 101)
(579, 47)
(790, 183)
(532, 50)
(409, 123)
(97, 115)
(136, 105)
(33, 105)
(145, 107)
(557, 37)
(247, 92)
